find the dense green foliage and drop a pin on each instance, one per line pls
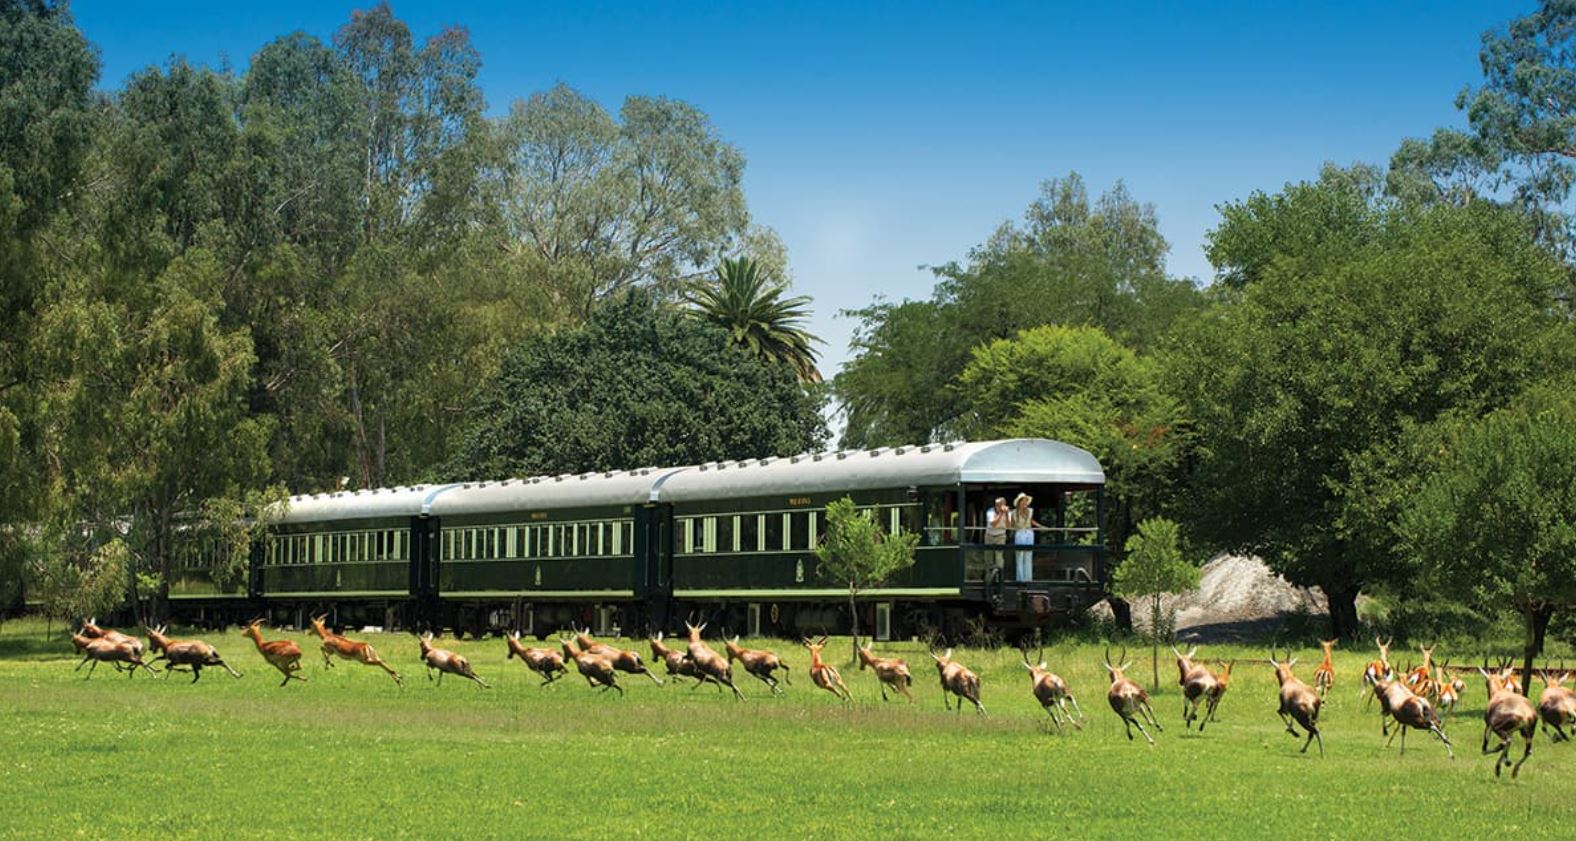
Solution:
(746, 302)
(1153, 565)
(1070, 262)
(857, 552)
(640, 384)
(271, 762)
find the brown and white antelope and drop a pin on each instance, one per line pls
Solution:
(1411, 712)
(890, 671)
(1421, 679)
(597, 670)
(757, 662)
(624, 661)
(101, 650)
(91, 630)
(1450, 689)
(335, 645)
(709, 663)
(283, 655)
(678, 662)
(1507, 713)
(958, 680)
(1298, 703)
(1557, 705)
(1324, 675)
(1051, 691)
(1377, 670)
(1129, 700)
(1198, 684)
(824, 674)
(544, 661)
(1222, 681)
(445, 661)
(192, 653)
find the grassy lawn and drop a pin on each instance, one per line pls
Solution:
(350, 755)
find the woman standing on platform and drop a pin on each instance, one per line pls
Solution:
(1024, 524)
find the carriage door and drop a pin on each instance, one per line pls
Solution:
(654, 559)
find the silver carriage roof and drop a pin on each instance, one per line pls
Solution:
(1022, 461)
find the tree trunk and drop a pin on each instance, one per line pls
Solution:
(1537, 622)
(1154, 644)
(1121, 614)
(1342, 599)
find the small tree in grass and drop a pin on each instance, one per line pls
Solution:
(1154, 565)
(858, 552)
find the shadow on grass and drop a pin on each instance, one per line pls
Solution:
(31, 640)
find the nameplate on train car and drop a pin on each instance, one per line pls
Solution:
(538, 515)
(798, 500)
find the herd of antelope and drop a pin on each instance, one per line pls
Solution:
(1422, 698)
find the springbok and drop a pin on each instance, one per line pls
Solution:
(1129, 700)
(1410, 711)
(1324, 675)
(678, 662)
(823, 674)
(335, 645)
(1421, 679)
(1198, 684)
(598, 671)
(283, 655)
(890, 671)
(1222, 680)
(1450, 689)
(709, 663)
(1377, 669)
(193, 653)
(1507, 713)
(1557, 705)
(1298, 703)
(758, 663)
(544, 661)
(1051, 691)
(957, 680)
(445, 661)
(100, 650)
(91, 630)
(624, 661)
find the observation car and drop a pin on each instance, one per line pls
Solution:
(640, 550)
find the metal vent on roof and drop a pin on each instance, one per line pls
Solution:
(841, 455)
(897, 451)
(818, 456)
(877, 451)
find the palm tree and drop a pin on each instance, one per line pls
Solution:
(751, 307)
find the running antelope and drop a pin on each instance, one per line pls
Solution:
(193, 653)
(283, 655)
(445, 661)
(825, 675)
(1557, 705)
(1507, 713)
(1051, 691)
(678, 662)
(91, 630)
(101, 650)
(1324, 676)
(1222, 680)
(1410, 711)
(1198, 684)
(959, 681)
(890, 671)
(709, 663)
(1298, 703)
(758, 663)
(1377, 669)
(598, 671)
(335, 645)
(624, 661)
(1421, 679)
(1450, 689)
(1129, 700)
(544, 661)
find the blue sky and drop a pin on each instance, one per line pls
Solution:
(885, 136)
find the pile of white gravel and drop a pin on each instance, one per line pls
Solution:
(1237, 596)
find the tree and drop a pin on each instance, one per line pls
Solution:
(1071, 262)
(746, 303)
(856, 551)
(639, 384)
(1492, 519)
(1153, 566)
(1316, 366)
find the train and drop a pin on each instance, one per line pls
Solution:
(640, 550)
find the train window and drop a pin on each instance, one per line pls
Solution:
(511, 547)
(894, 519)
(687, 534)
(771, 532)
(798, 525)
(616, 540)
(727, 534)
(815, 528)
(750, 533)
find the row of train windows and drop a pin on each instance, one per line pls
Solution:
(557, 540)
(785, 531)
(339, 547)
(200, 554)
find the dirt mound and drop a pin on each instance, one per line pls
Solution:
(1238, 597)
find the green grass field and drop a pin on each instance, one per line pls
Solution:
(350, 755)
